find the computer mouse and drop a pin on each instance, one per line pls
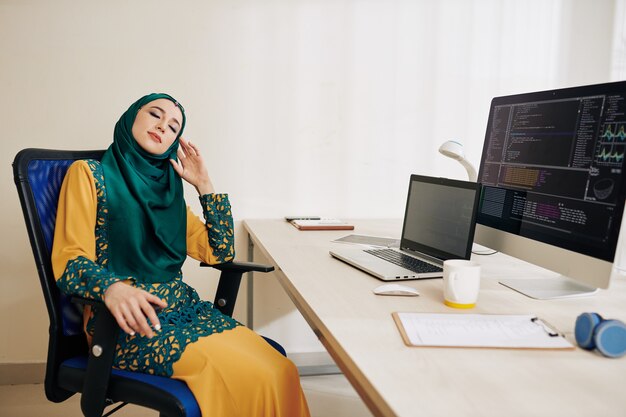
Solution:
(396, 289)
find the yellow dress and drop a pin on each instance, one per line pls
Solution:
(231, 370)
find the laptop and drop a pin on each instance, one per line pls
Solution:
(439, 224)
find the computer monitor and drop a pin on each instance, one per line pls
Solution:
(552, 171)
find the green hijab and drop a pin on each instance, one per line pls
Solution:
(147, 221)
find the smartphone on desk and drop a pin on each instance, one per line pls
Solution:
(292, 218)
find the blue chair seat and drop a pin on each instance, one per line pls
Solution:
(174, 393)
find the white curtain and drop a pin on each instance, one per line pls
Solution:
(330, 105)
(618, 70)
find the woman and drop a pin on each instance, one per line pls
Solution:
(123, 231)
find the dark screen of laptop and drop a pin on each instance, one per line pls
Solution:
(440, 217)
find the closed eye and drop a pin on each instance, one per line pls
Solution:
(154, 114)
(173, 129)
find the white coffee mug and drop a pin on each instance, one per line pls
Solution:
(461, 283)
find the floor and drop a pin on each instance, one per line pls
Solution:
(328, 396)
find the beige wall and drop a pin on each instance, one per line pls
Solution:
(288, 88)
(69, 69)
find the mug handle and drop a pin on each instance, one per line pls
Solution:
(451, 278)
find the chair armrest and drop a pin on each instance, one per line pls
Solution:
(240, 266)
(100, 362)
(86, 301)
(230, 279)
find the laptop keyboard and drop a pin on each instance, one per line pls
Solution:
(405, 261)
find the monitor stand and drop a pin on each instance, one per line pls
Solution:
(548, 288)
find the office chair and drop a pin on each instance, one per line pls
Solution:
(71, 366)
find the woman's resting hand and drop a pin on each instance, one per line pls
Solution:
(131, 306)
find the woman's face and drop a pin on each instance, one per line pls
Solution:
(156, 126)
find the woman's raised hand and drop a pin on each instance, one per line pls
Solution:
(130, 306)
(190, 166)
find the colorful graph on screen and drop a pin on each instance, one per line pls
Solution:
(611, 145)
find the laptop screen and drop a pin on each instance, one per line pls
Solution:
(440, 217)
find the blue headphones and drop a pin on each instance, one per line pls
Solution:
(594, 332)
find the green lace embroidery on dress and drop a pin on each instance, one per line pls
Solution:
(184, 321)
(101, 215)
(219, 221)
(84, 277)
(186, 318)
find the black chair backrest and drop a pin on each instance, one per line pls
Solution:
(38, 175)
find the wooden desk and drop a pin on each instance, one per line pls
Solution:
(356, 328)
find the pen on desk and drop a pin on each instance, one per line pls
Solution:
(545, 327)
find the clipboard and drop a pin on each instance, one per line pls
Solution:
(498, 331)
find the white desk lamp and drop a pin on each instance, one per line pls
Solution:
(453, 149)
